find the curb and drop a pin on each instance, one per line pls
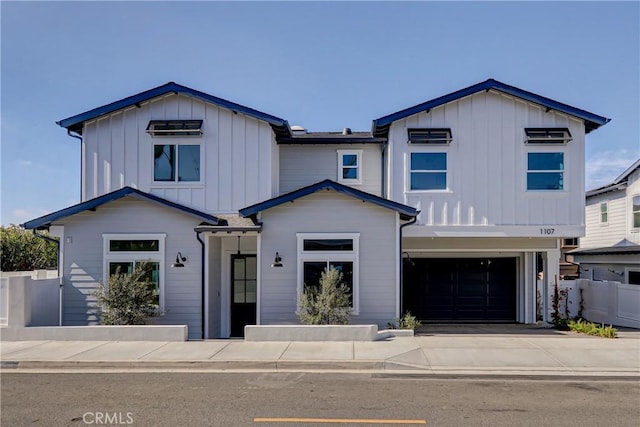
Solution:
(376, 368)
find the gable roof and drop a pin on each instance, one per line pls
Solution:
(406, 212)
(620, 183)
(380, 127)
(75, 123)
(46, 220)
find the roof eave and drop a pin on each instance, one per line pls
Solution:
(403, 210)
(592, 121)
(76, 123)
(45, 221)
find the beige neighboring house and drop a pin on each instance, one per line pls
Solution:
(610, 249)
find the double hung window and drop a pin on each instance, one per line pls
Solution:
(350, 166)
(428, 171)
(545, 171)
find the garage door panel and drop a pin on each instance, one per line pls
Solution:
(461, 289)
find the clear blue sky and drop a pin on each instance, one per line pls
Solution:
(322, 65)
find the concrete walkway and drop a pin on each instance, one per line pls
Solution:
(446, 351)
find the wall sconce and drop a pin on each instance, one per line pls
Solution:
(277, 262)
(179, 260)
(408, 258)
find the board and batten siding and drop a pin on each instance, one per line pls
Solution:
(238, 158)
(329, 212)
(598, 234)
(633, 189)
(83, 259)
(487, 165)
(303, 165)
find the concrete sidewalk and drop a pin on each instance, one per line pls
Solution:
(447, 354)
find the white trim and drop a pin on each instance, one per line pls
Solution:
(540, 149)
(225, 288)
(176, 183)
(258, 276)
(328, 256)
(125, 256)
(206, 284)
(422, 149)
(358, 167)
(398, 257)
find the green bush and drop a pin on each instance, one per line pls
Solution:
(408, 321)
(128, 298)
(328, 305)
(20, 250)
(591, 328)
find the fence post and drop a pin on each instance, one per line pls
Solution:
(19, 295)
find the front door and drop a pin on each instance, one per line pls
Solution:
(244, 280)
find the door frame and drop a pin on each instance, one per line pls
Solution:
(243, 256)
(225, 289)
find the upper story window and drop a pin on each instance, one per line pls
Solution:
(635, 211)
(350, 166)
(428, 171)
(429, 136)
(175, 128)
(176, 163)
(570, 242)
(604, 214)
(545, 171)
(547, 135)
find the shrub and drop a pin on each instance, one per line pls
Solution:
(22, 251)
(408, 321)
(328, 305)
(591, 328)
(128, 298)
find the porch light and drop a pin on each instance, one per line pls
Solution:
(277, 262)
(179, 261)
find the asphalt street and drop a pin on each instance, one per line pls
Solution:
(309, 399)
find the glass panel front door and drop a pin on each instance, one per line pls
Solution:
(244, 284)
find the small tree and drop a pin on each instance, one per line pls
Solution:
(22, 251)
(328, 305)
(128, 298)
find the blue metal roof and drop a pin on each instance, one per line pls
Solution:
(46, 220)
(75, 123)
(380, 127)
(406, 212)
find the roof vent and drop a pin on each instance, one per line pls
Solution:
(298, 129)
(346, 131)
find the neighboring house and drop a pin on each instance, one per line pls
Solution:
(610, 249)
(446, 209)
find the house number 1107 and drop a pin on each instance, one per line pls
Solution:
(547, 231)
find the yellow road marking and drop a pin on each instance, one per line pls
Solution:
(336, 421)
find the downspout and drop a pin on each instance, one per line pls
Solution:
(57, 242)
(383, 170)
(413, 221)
(202, 308)
(82, 166)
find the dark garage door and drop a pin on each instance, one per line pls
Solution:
(464, 289)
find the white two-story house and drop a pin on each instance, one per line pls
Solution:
(610, 249)
(448, 209)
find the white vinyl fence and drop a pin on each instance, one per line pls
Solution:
(611, 303)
